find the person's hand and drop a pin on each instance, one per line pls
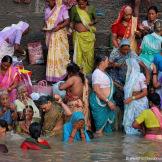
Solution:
(9, 90)
(138, 34)
(57, 28)
(91, 24)
(111, 105)
(71, 139)
(128, 100)
(154, 69)
(58, 98)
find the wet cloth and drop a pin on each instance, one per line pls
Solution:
(6, 116)
(158, 61)
(103, 117)
(84, 42)
(135, 82)
(32, 144)
(68, 128)
(57, 43)
(150, 46)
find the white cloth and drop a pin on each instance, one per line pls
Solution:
(99, 77)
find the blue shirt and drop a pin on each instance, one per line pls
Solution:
(6, 116)
(158, 61)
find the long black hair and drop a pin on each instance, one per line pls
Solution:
(155, 99)
(73, 68)
(35, 130)
(7, 58)
(99, 58)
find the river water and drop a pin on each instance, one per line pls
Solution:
(114, 147)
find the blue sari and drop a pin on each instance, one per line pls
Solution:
(68, 127)
(103, 116)
(151, 45)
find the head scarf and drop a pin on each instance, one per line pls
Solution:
(120, 16)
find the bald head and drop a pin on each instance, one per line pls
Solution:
(128, 13)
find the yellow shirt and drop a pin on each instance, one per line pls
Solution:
(149, 119)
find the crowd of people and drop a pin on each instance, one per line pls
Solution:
(96, 94)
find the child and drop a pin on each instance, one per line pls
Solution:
(3, 127)
(34, 142)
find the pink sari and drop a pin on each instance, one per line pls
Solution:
(157, 113)
(8, 79)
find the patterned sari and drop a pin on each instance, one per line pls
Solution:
(57, 43)
(8, 79)
(84, 43)
(133, 109)
(103, 116)
(150, 46)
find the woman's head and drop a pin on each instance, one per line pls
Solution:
(154, 99)
(4, 98)
(51, 3)
(3, 127)
(152, 13)
(45, 103)
(6, 62)
(35, 130)
(22, 92)
(127, 13)
(82, 3)
(124, 46)
(158, 27)
(102, 60)
(28, 112)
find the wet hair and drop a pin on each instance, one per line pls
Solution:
(7, 58)
(154, 98)
(153, 8)
(35, 130)
(44, 100)
(99, 58)
(74, 69)
(3, 124)
(158, 26)
(3, 148)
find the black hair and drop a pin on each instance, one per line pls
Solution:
(84, 1)
(35, 130)
(3, 124)
(29, 106)
(3, 148)
(74, 69)
(44, 100)
(7, 58)
(155, 99)
(99, 58)
(153, 8)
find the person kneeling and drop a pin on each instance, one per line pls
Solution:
(74, 130)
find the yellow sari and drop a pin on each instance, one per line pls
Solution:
(58, 47)
(84, 44)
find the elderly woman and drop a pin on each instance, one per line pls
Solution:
(10, 38)
(9, 77)
(56, 20)
(125, 27)
(101, 98)
(23, 101)
(135, 92)
(151, 45)
(83, 18)
(53, 114)
(75, 129)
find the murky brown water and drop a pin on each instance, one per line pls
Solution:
(114, 147)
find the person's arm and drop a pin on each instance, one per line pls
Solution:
(156, 84)
(14, 85)
(61, 25)
(147, 72)
(71, 138)
(67, 84)
(114, 40)
(82, 135)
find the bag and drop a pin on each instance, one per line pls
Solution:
(35, 53)
(42, 88)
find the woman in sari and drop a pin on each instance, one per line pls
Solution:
(35, 142)
(151, 119)
(101, 98)
(10, 39)
(125, 27)
(76, 91)
(56, 20)
(83, 18)
(151, 45)
(135, 92)
(75, 129)
(9, 77)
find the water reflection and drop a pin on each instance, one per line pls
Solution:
(114, 147)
